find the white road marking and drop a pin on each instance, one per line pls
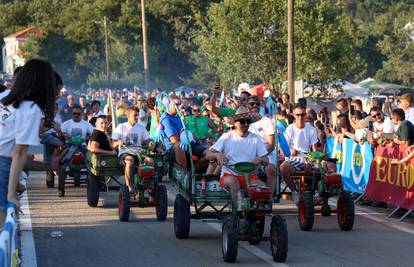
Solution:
(252, 249)
(28, 251)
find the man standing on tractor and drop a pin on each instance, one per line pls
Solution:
(301, 137)
(266, 130)
(76, 127)
(132, 135)
(171, 130)
(201, 127)
(237, 146)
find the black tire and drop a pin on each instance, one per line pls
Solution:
(182, 217)
(92, 190)
(326, 209)
(50, 179)
(279, 238)
(306, 211)
(345, 211)
(124, 205)
(161, 203)
(230, 238)
(76, 179)
(62, 178)
(260, 225)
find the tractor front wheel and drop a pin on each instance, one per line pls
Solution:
(345, 211)
(306, 211)
(124, 204)
(230, 238)
(161, 203)
(279, 238)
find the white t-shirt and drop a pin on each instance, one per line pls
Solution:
(263, 128)
(301, 139)
(361, 133)
(386, 127)
(19, 126)
(143, 114)
(239, 149)
(132, 136)
(77, 129)
(409, 115)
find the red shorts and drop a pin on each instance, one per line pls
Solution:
(242, 180)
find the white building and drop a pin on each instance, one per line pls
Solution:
(13, 55)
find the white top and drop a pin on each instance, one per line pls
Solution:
(132, 136)
(99, 113)
(386, 127)
(263, 128)
(239, 149)
(409, 115)
(19, 126)
(361, 133)
(301, 139)
(143, 114)
(77, 129)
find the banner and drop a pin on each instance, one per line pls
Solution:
(354, 161)
(392, 183)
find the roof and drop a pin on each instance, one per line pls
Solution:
(25, 32)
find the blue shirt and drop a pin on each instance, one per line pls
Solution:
(171, 126)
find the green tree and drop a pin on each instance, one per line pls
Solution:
(246, 40)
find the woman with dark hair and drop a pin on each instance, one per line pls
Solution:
(31, 97)
(343, 128)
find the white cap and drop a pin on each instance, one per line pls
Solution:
(63, 90)
(125, 90)
(244, 87)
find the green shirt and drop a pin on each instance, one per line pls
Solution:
(405, 132)
(154, 125)
(225, 112)
(198, 126)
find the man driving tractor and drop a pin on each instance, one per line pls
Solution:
(127, 136)
(237, 146)
(301, 137)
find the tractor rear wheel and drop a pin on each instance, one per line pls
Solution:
(92, 190)
(182, 217)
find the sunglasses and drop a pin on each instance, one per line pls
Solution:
(254, 104)
(376, 115)
(243, 121)
(300, 114)
(196, 110)
(76, 113)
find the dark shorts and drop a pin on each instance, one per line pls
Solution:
(198, 150)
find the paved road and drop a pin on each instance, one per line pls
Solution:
(95, 237)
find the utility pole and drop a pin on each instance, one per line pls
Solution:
(291, 50)
(145, 44)
(107, 51)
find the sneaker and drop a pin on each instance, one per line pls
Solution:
(295, 197)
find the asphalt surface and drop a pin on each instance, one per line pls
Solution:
(95, 237)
